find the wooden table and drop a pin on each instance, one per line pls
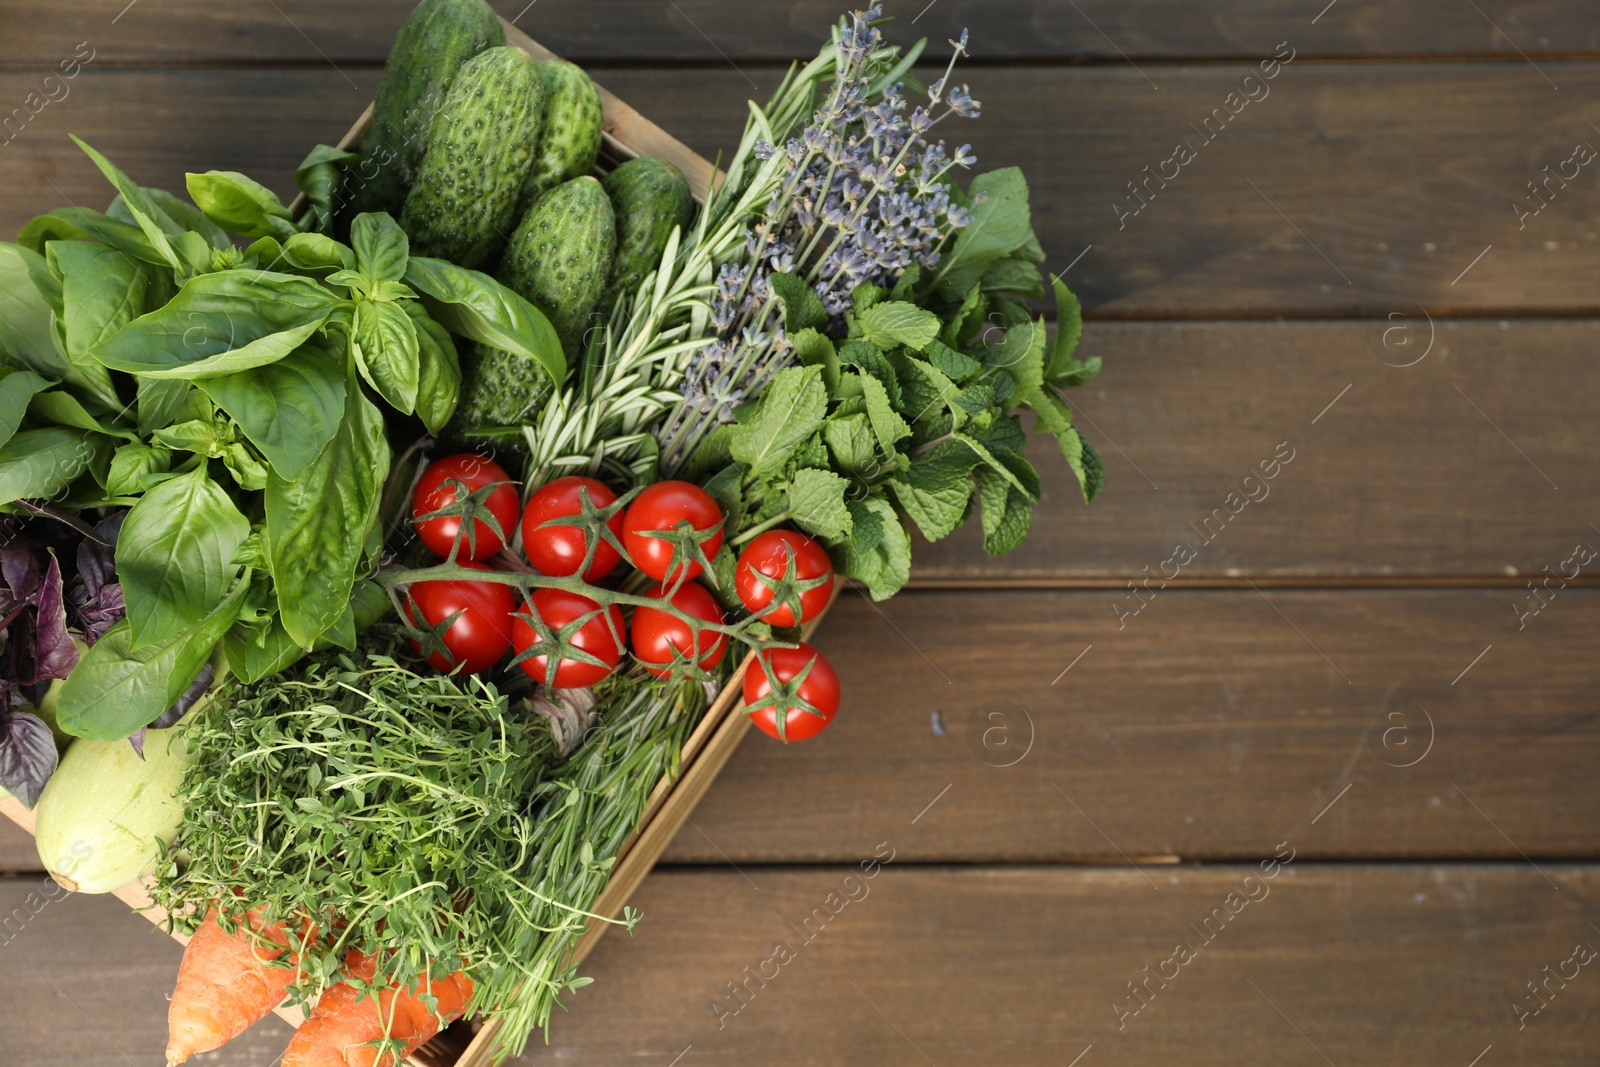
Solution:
(1074, 777)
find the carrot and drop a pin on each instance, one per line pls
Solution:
(347, 1020)
(224, 985)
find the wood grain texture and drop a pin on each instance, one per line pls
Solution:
(1374, 965)
(1430, 161)
(707, 31)
(1209, 727)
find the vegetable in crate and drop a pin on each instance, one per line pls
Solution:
(560, 256)
(650, 197)
(569, 135)
(435, 40)
(464, 198)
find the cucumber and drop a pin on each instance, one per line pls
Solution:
(560, 257)
(436, 39)
(498, 388)
(569, 141)
(650, 197)
(465, 195)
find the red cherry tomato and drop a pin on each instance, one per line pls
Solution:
(660, 638)
(559, 550)
(663, 506)
(820, 689)
(432, 493)
(481, 633)
(768, 555)
(557, 607)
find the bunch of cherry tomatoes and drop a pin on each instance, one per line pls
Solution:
(480, 622)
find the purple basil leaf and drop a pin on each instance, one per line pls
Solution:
(96, 561)
(136, 739)
(196, 690)
(27, 756)
(55, 655)
(20, 568)
(98, 613)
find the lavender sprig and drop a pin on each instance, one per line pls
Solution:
(863, 197)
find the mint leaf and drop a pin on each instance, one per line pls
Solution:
(871, 359)
(866, 526)
(1069, 328)
(1021, 354)
(936, 490)
(887, 424)
(885, 567)
(955, 365)
(927, 389)
(1013, 275)
(812, 349)
(802, 308)
(897, 322)
(1084, 461)
(816, 501)
(850, 441)
(791, 409)
(1000, 226)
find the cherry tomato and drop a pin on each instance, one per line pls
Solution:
(432, 493)
(663, 506)
(481, 633)
(556, 608)
(768, 555)
(559, 550)
(820, 689)
(659, 638)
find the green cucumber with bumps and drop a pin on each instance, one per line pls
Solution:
(650, 197)
(560, 257)
(436, 39)
(569, 140)
(464, 199)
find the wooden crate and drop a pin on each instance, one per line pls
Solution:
(627, 135)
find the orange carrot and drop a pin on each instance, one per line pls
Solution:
(224, 985)
(346, 1022)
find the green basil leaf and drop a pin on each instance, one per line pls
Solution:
(160, 400)
(186, 217)
(64, 409)
(257, 652)
(17, 387)
(816, 502)
(789, 412)
(136, 467)
(382, 248)
(239, 204)
(317, 252)
(27, 330)
(896, 322)
(194, 435)
(290, 409)
(472, 304)
(317, 523)
(144, 212)
(38, 464)
(102, 291)
(115, 689)
(174, 555)
(81, 224)
(1000, 225)
(247, 470)
(219, 324)
(384, 343)
(319, 177)
(438, 370)
(802, 308)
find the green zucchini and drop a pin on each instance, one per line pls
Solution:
(436, 39)
(464, 199)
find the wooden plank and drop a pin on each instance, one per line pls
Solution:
(1416, 201)
(86, 981)
(1379, 965)
(1212, 725)
(1374, 965)
(706, 31)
